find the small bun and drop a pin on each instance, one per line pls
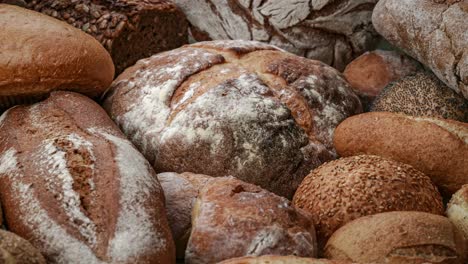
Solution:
(14, 249)
(457, 210)
(270, 259)
(345, 189)
(398, 237)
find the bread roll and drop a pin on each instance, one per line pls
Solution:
(433, 32)
(398, 237)
(41, 54)
(334, 32)
(422, 94)
(237, 108)
(457, 210)
(181, 191)
(77, 189)
(235, 219)
(436, 147)
(130, 30)
(15, 250)
(342, 190)
(281, 260)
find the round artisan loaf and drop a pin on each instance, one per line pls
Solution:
(77, 189)
(422, 94)
(181, 191)
(239, 108)
(437, 147)
(16, 250)
(41, 54)
(281, 260)
(334, 32)
(342, 190)
(457, 210)
(232, 219)
(398, 237)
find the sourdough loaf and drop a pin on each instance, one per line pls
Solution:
(436, 147)
(342, 190)
(433, 32)
(129, 29)
(398, 237)
(77, 189)
(41, 54)
(330, 31)
(281, 260)
(232, 219)
(237, 108)
(16, 250)
(457, 210)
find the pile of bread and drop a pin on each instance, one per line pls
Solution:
(122, 143)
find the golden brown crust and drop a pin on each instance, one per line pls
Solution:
(436, 147)
(41, 54)
(457, 210)
(398, 237)
(15, 250)
(270, 259)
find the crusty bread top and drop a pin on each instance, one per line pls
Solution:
(14, 249)
(270, 259)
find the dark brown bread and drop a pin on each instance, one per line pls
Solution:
(232, 219)
(399, 237)
(77, 189)
(239, 108)
(342, 190)
(129, 29)
(40, 54)
(15, 250)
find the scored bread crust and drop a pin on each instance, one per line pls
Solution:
(77, 189)
(436, 147)
(236, 108)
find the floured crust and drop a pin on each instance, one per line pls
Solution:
(281, 260)
(239, 107)
(14, 249)
(398, 237)
(436, 147)
(457, 210)
(77, 189)
(246, 220)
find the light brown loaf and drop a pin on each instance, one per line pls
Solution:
(239, 108)
(232, 219)
(181, 191)
(16, 250)
(281, 260)
(77, 189)
(398, 237)
(436, 147)
(433, 32)
(457, 210)
(41, 54)
(348, 188)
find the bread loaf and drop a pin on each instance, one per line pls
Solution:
(237, 108)
(433, 32)
(181, 191)
(457, 210)
(398, 237)
(235, 219)
(41, 54)
(15, 250)
(422, 94)
(333, 32)
(342, 190)
(281, 260)
(436, 147)
(77, 189)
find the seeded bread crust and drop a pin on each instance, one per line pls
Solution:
(77, 189)
(14, 249)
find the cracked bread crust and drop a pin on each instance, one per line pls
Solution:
(433, 32)
(236, 108)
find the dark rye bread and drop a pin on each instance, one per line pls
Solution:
(16, 250)
(129, 29)
(239, 108)
(77, 189)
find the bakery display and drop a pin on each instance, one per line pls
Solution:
(398, 237)
(181, 191)
(40, 54)
(369, 73)
(237, 108)
(232, 219)
(457, 210)
(434, 32)
(333, 32)
(77, 189)
(422, 94)
(348, 188)
(281, 260)
(437, 147)
(129, 29)
(15, 250)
